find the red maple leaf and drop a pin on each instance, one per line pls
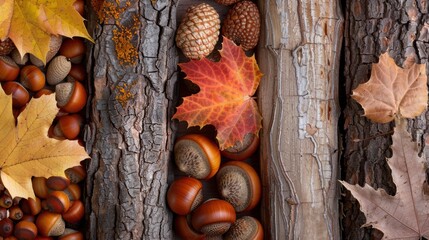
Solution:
(225, 96)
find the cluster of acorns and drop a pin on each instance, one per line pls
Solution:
(55, 213)
(26, 77)
(198, 33)
(238, 186)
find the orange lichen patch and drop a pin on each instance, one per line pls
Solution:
(124, 94)
(125, 50)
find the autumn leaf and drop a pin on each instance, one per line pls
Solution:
(30, 23)
(225, 97)
(393, 91)
(405, 215)
(26, 150)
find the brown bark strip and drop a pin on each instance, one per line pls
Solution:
(373, 27)
(130, 137)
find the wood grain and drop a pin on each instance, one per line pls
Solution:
(299, 55)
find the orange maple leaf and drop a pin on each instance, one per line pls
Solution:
(225, 97)
(406, 214)
(393, 91)
(30, 23)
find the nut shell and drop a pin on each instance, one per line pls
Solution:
(197, 156)
(245, 228)
(71, 97)
(58, 202)
(184, 195)
(184, 230)
(39, 187)
(68, 126)
(25, 230)
(213, 217)
(242, 24)
(32, 78)
(75, 212)
(74, 49)
(20, 95)
(242, 151)
(50, 224)
(198, 32)
(239, 184)
(58, 70)
(9, 70)
(76, 174)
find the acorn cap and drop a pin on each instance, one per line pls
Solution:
(198, 32)
(242, 24)
(54, 46)
(6, 46)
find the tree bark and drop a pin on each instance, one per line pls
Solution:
(129, 137)
(373, 27)
(299, 56)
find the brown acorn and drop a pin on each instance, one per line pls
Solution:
(73, 49)
(9, 70)
(71, 97)
(6, 46)
(32, 78)
(20, 95)
(198, 32)
(242, 24)
(76, 174)
(245, 228)
(58, 70)
(50, 224)
(25, 230)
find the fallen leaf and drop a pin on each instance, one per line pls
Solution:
(26, 148)
(30, 23)
(225, 97)
(393, 91)
(405, 215)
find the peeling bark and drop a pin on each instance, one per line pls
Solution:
(299, 56)
(374, 27)
(130, 141)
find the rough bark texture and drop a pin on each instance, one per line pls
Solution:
(299, 56)
(373, 27)
(129, 137)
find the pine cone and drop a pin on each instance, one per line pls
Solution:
(242, 24)
(198, 32)
(6, 47)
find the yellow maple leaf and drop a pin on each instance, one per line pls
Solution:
(30, 23)
(26, 150)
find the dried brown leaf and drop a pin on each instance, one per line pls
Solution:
(405, 215)
(393, 91)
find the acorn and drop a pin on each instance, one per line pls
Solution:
(40, 188)
(197, 156)
(245, 228)
(9, 70)
(54, 46)
(184, 195)
(77, 73)
(4, 213)
(73, 192)
(50, 224)
(25, 230)
(6, 46)
(184, 230)
(16, 56)
(68, 126)
(15, 213)
(58, 70)
(71, 234)
(76, 174)
(239, 184)
(75, 213)
(31, 206)
(6, 200)
(213, 217)
(79, 5)
(198, 32)
(6, 227)
(20, 95)
(32, 78)
(242, 24)
(71, 97)
(58, 202)
(57, 183)
(73, 49)
(242, 150)
(43, 91)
